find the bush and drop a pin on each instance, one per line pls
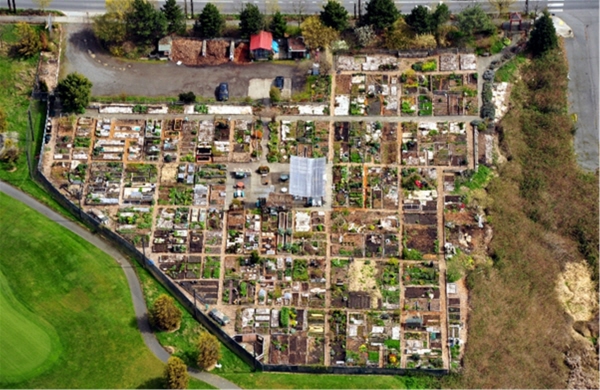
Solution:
(164, 314)
(176, 375)
(29, 40)
(74, 92)
(209, 350)
(275, 95)
(187, 97)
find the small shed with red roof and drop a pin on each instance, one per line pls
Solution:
(261, 45)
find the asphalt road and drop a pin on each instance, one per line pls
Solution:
(139, 304)
(582, 52)
(304, 6)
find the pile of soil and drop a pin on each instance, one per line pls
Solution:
(188, 51)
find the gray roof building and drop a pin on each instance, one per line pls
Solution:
(307, 177)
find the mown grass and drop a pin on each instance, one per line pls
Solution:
(264, 380)
(184, 340)
(16, 83)
(544, 212)
(80, 293)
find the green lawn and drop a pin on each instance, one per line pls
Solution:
(64, 288)
(16, 82)
(311, 381)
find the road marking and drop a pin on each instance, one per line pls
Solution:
(553, 11)
(556, 4)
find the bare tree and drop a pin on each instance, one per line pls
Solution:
(502, 6)
(299, 8)
(272, 6)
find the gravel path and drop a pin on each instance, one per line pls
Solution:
(139, 304)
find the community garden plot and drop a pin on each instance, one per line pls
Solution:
(348, 190)
(242, 136)
(444, 143)
(338, 322)
(419, 240)
(171, 141)
(382, 188)
(104, 185)
(83, 139)
(64, 139)
(364, 234)
(419, 350)
(188, 131)
(420, 274)
(421, 299)
(134, 223)
(304, 139)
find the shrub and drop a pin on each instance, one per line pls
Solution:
(209, 350)
(275, 95)
(187, 97)
(176, 375)
(164, 314)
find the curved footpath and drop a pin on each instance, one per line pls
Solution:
(139, 304)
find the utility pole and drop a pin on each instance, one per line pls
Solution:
(526, 8)
(192, 7)
(185, 8)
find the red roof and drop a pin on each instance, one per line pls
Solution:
(262, 40)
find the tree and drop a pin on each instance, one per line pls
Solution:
(118, 7)
(43, 4)
(74, 92)
(316, 34)
(278, 25)
(210, 23)
(502, 6)
(543, 36)
(176, 375)
(398, 36)
(174, 16)
(380, 13)
(473, 19)
(29, 40)
(110, 29)
(145, 24)
(209, 350)
(251, 20)
(275, 95)
(187, 97)
(165, 314)
(440, 16)
(334, 15)
(420, 20)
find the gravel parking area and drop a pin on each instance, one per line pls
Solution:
(260, 88)
(112, 76)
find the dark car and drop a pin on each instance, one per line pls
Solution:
(279, 82)
(223, 92)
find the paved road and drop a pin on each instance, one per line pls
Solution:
(303, 6)
(139, 304)
(582, 52)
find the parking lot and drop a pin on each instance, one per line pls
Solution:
(112, 76)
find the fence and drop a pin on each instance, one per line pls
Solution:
(188, 303)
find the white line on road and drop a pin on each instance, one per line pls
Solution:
(556, 4)
(553, 11)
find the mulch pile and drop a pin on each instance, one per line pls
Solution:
(188, 51)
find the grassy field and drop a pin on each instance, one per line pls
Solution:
(78, 297)
(16, 82)
(265, 380)
(29, 345)
(544, 212)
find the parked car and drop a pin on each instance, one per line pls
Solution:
(279, 82)
(223, 92)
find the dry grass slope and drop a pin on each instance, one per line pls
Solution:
(544, 212)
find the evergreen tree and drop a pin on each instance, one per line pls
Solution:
(251, 20)
(440, 16)
(175, 17)
(74, 92)
(420, 20)
(210, 23)
(176, 375)
(543, 36)
(278, 25)
(164, 314)
(473, 19)
(380, 14)
(145, 24)
(334, 15)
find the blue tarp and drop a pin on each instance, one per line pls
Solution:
(275, 47)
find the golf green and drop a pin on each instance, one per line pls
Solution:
(29, 345)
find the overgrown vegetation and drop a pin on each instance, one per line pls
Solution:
(544, 211)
